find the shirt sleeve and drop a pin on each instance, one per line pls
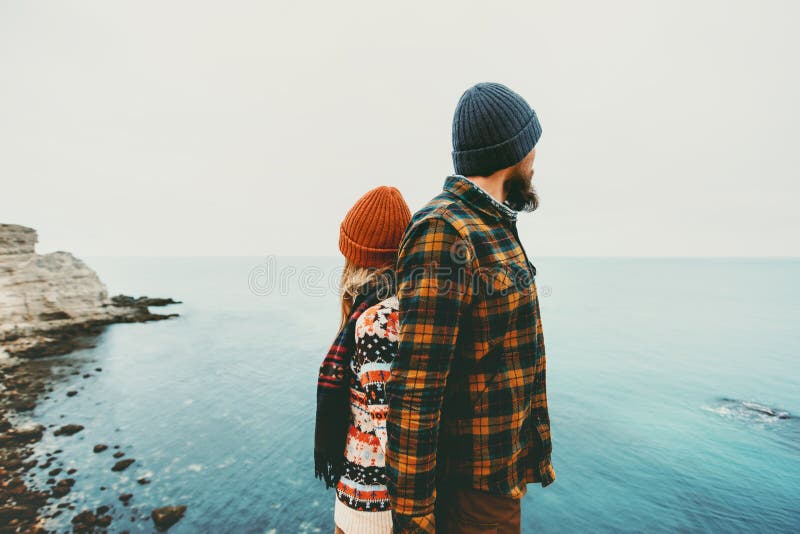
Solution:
(433, 274)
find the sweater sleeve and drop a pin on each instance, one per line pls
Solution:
(377, 348)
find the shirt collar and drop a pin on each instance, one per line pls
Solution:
(471, 193)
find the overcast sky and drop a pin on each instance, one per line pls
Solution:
(250, 128)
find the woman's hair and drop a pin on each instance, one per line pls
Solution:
(353, 277)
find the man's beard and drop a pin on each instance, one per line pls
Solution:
(521, 193)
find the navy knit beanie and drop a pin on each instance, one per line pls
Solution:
(493, 128)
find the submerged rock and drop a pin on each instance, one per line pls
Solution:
(748, 410)
(766, 410)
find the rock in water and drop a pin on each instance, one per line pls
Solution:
(122, 464)
(48, 301)
(167, 516)
(68, 430)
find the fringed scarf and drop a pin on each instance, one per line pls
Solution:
(333, 385)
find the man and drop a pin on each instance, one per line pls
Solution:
(468, 425)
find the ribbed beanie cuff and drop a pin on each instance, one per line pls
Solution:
(371, 231)
(485, 160)
(362, 255)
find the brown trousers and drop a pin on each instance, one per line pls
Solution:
(463, 510)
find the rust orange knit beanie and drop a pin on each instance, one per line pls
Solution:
(370, 233)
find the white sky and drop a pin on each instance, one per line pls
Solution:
(250, 128)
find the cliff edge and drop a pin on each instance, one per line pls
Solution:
(49, 301)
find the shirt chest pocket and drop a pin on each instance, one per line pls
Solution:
(502, 289)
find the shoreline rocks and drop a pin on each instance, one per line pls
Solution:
(50, 305)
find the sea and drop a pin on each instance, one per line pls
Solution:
(673, 387)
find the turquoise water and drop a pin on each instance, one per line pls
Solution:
(217, 406)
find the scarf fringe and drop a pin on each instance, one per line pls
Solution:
(329, 472)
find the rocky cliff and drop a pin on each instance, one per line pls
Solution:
(48, 301)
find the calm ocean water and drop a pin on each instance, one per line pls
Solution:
(658, 372)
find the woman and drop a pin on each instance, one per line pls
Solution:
(350, 434)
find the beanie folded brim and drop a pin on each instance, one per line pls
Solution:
(484, 161)
(365, 256)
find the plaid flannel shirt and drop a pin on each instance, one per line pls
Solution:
(466, 391)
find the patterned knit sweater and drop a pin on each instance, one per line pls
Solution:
(362, 487)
